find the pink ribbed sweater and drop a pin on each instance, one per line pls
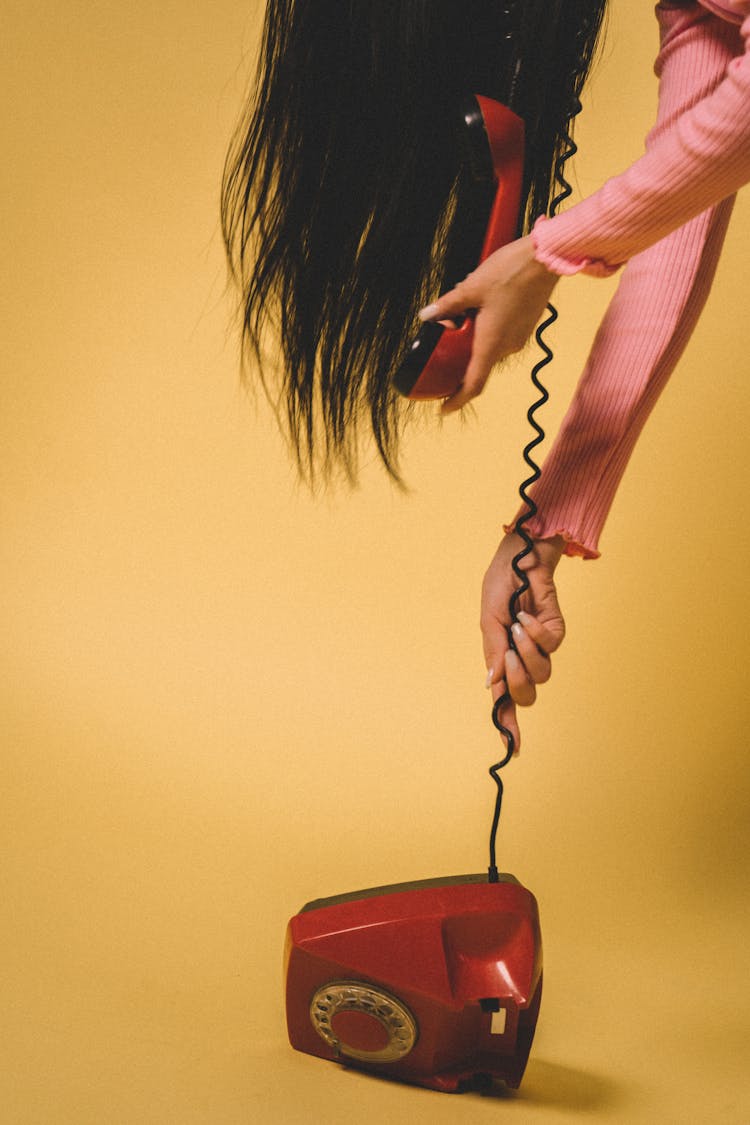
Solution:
(666, 216)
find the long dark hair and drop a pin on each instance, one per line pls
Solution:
(343, 176)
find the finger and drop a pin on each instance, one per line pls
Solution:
(548, 634)
(461, 398)
(537, 664)
(495, 645)
(494, 676)
(452, 303)
(521, 688)
(507, 715)
(477, 374)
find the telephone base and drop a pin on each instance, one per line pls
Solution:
(437, 982)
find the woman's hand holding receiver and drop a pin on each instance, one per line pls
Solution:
(510, 290)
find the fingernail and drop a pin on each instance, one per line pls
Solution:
(490, 676)
(517, 629)
(524, 617)
(427, 312)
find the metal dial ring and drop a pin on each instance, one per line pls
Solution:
(395, 1018)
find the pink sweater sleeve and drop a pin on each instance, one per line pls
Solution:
(698, 153)
(664, 287)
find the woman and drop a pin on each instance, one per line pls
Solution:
(348, 153)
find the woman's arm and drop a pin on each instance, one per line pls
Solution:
(644, 332)
(657, 304)
(640, 341)
(697, 154)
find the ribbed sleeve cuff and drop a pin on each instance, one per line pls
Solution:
(573, 546)
(561, 265)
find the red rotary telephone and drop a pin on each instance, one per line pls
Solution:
(436, 983)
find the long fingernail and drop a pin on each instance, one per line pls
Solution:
(517, 630)
(490, 677)
(427, 312)
(524, 617)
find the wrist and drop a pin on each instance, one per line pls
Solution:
(550, 551)
(531, 263)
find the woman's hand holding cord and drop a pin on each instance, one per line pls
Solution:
(538, 633)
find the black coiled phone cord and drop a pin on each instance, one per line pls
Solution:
(530, 508)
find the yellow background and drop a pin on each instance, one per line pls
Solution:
(221, 698)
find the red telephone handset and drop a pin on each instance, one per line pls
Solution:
(436, 362)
